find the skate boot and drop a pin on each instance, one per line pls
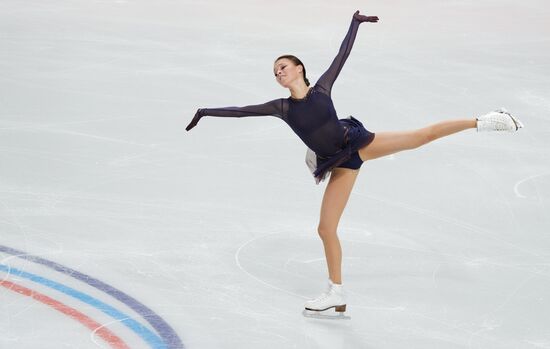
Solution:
(498, 120)
(333, 297)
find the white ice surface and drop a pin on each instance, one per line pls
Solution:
(447, 246)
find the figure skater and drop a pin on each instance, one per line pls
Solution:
(339, 147)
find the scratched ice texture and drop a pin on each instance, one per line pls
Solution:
(214, 230)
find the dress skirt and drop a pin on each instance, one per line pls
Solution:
(356, 137)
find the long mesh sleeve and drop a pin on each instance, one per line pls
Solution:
(274, 107)
(326, 80)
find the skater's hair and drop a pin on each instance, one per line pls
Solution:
(296, 61)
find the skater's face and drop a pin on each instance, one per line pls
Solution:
(286, 72)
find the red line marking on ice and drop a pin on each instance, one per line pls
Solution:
(96, 327)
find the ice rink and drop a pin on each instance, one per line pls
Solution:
(119, 229)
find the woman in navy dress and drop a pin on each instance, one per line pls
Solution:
(339, 146)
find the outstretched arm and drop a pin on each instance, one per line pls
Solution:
(273, 107)
(327, 79)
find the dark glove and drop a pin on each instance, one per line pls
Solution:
(196, 118)
(362, 18)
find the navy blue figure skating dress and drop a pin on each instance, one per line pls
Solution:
(334, 142)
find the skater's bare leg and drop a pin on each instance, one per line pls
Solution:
(386, 143)
(335, 198)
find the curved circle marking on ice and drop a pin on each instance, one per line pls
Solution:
(238, 262)
(520, 182)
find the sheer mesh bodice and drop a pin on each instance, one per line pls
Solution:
(313, 118)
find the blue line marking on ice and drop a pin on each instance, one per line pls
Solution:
(166, 332)
(152, 339)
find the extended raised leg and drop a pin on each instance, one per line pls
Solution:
(386, 143)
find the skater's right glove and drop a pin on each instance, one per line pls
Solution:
(198, 115)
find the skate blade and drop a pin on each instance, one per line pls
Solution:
(518, 123)
(324, 315)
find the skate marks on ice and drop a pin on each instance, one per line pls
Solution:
(238, 259)
(325, 315)
(247, 265)
(329, 314)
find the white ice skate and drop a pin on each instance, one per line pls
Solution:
(333, 297)
(498, 120)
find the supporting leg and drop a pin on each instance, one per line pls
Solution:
(335, 199)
